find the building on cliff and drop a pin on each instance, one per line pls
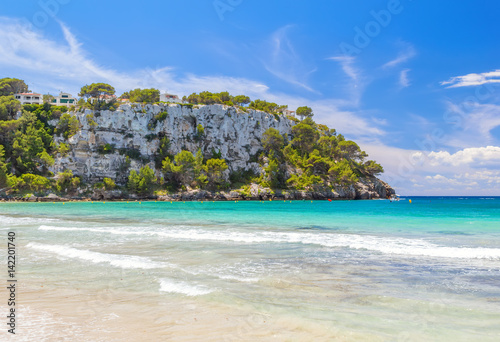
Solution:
(103, 98)
(169, 98)
(29, 98)
(64, 99)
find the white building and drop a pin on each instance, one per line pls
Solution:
(103, 98)
(289, 112)
(64, 99)
(169, 98)
(29, 98)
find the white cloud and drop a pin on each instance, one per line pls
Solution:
(472, 124)
(473, 79)
(284, 62)
(473, 157)
(405, 55)
(356, 84)
(403, 78)
(347, 64)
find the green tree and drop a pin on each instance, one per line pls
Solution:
(215, 172)
(200, 132)
(372, 168)
(317, 164)
(66, 183)
(162, 152)
(273, 175)
(304, 112)
(47, 98)
(350, 150)
(268, 107)
(304, 136)
(3, 168)
(241, 100)
(68, 126)
(143, 182)
(33, 183)
(63, 149)
(182, 169)
(11, 86)
(109, 184)
(97, 91)
(273, 141)
(342, 173)
(9, 106)
(30, 150)
(142, 95)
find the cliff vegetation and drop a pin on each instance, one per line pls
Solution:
(213, 145)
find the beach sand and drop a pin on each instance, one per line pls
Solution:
(52, 312)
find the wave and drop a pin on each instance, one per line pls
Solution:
(117, 260)
(236, 278)
(385, 245)
(13, 220)
(171, 286)
(95, 230)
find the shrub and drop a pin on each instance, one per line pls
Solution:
(143, 182)
(151, 137)
(106, 149)
(109, 184)
(68, 126)
(66, 183)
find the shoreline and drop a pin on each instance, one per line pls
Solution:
(253, 193)
(167, 198)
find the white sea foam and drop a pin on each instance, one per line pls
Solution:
(12, 220)
(237, 278)
(172, 286)
(94, 230)
(117, 260)
(386, 245)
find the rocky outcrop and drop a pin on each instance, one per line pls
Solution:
(100, 148)
(232, 133)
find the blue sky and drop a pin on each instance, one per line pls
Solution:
(415, 83)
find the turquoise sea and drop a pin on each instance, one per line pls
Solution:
(374, 270)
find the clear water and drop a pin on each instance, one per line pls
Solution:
(352, 270)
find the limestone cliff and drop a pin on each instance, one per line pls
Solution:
(234, 133)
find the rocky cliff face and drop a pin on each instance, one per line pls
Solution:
(232, 132)
(235, 134)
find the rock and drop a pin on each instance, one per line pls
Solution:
(50, 198)
(235, 134)
(32, 198)
(101, 194)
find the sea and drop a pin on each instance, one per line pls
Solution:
(417, 269)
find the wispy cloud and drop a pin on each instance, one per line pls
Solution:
(407, 53)
(403, 78)
(284, 62)
(473, 79)
(474, 123)
(357, 83)
(347, 64)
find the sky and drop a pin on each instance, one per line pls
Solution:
(415, 83)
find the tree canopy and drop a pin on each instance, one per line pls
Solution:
(11, 86)
(96, 90)
(304, 112)
(142, 95)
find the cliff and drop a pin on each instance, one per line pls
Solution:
(233, 133)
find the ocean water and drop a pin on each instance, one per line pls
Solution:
(268, 271)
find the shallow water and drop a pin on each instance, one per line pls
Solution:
(274, 270)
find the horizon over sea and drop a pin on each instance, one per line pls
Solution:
(369, 270)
